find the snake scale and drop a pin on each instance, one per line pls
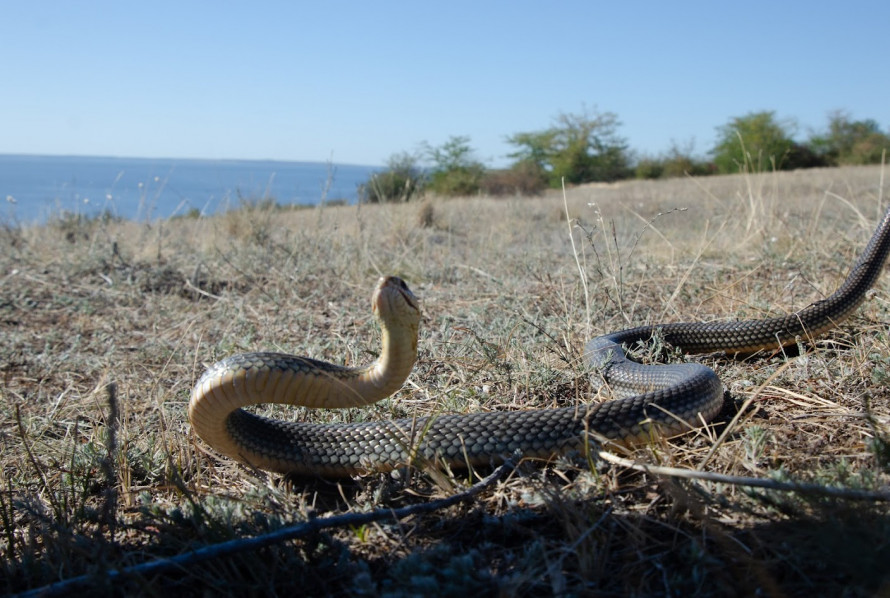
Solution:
(671, 399)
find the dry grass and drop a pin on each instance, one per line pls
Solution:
(146, 306)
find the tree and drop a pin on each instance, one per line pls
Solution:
(535, 147)
(850, 142)
(579, 148)
(456, 171)
(753, 142)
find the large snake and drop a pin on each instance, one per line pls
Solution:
(670, 399)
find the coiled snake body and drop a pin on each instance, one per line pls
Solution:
(669, 398)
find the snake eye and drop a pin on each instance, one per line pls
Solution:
(401, 284)
(406, 292)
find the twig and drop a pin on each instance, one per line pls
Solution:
(110, 498)
(194, 288)
(479, 272)
(581, 272)
(293, 532)
(803, 488)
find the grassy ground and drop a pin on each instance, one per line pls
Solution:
(105, 326)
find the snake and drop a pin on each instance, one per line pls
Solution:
(666, 399)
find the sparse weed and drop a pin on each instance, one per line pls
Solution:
(756, 439)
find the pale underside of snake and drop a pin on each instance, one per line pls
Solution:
(667, 399)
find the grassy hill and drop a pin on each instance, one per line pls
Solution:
(105, 326)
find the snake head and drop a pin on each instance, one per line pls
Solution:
(395, 304)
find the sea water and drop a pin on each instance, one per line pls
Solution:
(36, 188)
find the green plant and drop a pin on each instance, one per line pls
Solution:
(455, 170)
(524, 178)
(802, 155)
(850, 142)
(681, 161)
(676, 162)
(756, 141)
(402, 180)
(578, 148)
(649, 168)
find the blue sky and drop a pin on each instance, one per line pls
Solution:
(359, 81)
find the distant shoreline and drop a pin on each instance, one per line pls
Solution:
(179, 159)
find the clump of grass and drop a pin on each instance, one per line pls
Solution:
(426, 214)
(145, 306)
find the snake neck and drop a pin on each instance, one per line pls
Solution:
(386, 375)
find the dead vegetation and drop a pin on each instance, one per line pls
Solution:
(95, 481)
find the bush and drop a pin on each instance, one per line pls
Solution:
(400, 182)
(649, 168)
(457, 181)
(524, 178)
(678, 166)
(850, 142)
(756, 141)
(455, 171)
(803, 156)
(678, 162)
(870, 150)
